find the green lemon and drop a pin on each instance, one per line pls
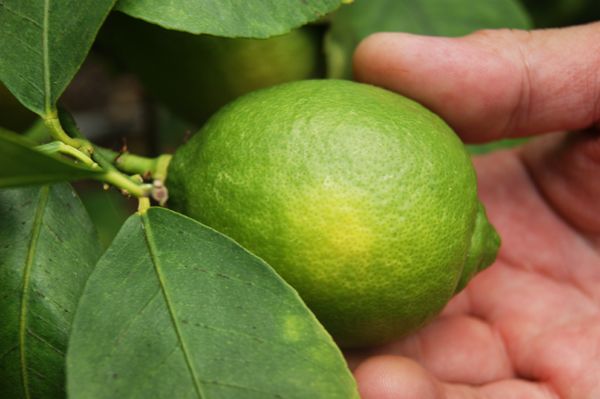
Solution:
(361, 199)
(194, 75)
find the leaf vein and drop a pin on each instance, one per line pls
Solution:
(139, 315)
(277, 297)
(73, 253)
(10, 350)
(155, 371)
(157, 267)
(26, 18)
(268, 341)
(24, 43)
(35, 231)
(231, 385)
(9, 295)
(45, 342)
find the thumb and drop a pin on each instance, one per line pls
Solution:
(493, 84)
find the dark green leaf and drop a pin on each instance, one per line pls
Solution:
(480, 149)
(21, 165)
(558, 13)
(13, 115)
(354, 22)
(177, 310)
(43, 43)
(48, 247)
(251, 18)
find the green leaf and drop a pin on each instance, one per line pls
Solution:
(481, 149)
(20, 164)
(48, 248)
(251, 18)
(354, 22)
(176, 310)
(42, 45)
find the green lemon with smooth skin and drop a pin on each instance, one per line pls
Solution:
(194, 75)
(361, 199)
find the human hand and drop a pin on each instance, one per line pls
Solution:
(529, 325)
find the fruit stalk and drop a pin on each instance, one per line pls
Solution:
(154, 168)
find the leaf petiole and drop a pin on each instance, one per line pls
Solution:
(109, 159)
(56, 131)
(60, 147)
(154, 168)
(144, 205)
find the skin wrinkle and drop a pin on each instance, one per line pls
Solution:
(526, 93)
(528, 63)
(499, 344)
(501, 339)
(540, 300)
(504, 347)
(522, 107)
(578, 151)
(523, 165)
(568, 269)
(562, 328)
(514, 360)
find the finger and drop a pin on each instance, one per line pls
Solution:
(446, 346)
(458, 349)
(494, 83)
(395, 377)
(550, 329)
(542, 295)
(566, 169)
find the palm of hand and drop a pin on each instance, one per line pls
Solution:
(528, 326)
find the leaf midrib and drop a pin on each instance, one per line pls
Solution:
(35, 233)
(46, 58)
(157, 267)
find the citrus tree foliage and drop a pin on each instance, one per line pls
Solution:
(171, 308)
(48, 247)
(257, 18)
(21, 163)
(175, 309)
(43, 43)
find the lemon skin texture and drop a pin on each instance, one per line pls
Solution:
(194, 75)
(361, 199)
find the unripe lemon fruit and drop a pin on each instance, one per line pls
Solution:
(195, 75)
(361, 199)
